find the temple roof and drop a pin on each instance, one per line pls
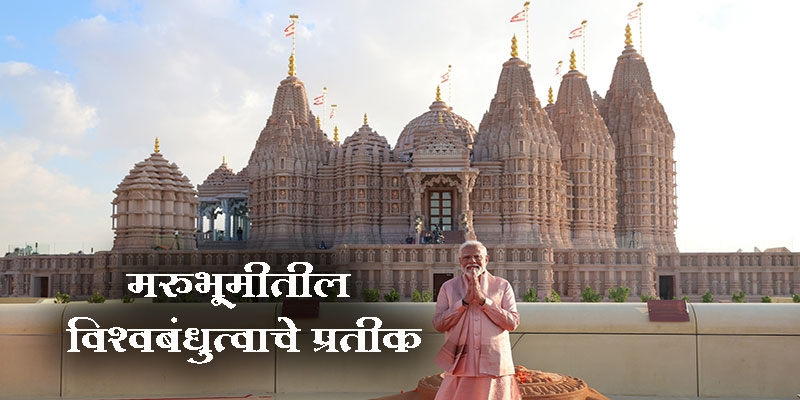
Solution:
(515, 114)
(223, 181)
(155, 174)
(575, 117)
(439, 115)
(365, 141)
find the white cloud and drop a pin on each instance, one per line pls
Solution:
(47, 103)
(13, 41)
(45, 206)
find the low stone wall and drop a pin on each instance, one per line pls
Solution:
(725, 350)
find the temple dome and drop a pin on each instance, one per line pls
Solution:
(365, 142)
(155, 207)
(426, 125)
(223, 181)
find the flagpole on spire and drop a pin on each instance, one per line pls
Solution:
(583, 25)
(333, 114)
(324, 97)
(558, 71)
(294, 18)
(641, 46)
(527, 33)
(449, 85)
(289, 31)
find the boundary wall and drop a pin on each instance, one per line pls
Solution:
(725, 350)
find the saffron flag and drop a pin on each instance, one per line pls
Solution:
(633, 14)
(289, 30)
(333, 111)
(319, 100)
(558, 69)
(576, 33)
(519, 17)
(446, 77)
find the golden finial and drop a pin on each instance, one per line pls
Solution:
(157, 147)
(291, 65)
(438, 93)
(365, 119)
(514, 47)
(223, 159)
(572, 66)
(336, 133)
(319, 123)
(550, 95)
(628, 40)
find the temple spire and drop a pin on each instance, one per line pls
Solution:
(291, 65)
(628, 40)
(572, 66)
(157, 147)
(514, 53)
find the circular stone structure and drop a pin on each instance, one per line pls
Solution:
(533, 384)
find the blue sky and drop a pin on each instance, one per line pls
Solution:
(86, 86)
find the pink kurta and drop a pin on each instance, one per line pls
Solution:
(476, 356)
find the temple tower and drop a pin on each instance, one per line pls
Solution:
(520, 196)
(587, 152)
(644, 139)
(155, 207)
(358, 179)
(283, 171)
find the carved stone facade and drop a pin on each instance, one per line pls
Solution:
(155, 207)
(582, 194)
(646, 201)
(589, 163)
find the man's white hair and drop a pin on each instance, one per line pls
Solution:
(473, 243)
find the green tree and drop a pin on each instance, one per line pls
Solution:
(619, 295)
(371, 295)
(62, 298)
(647, 297)
(590, 296)
(128, 298)
(422, 297)
(96, 298)
(392, 297)
(766, 299)
(530, 296)
(739, 297)
(796, 298)
(553, 297)
(708, 297)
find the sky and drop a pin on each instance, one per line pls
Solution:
(87, 86)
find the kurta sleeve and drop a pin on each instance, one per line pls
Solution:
(505, 314)
(448, 310)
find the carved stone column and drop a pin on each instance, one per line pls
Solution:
(468, 180)
(414, 180)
